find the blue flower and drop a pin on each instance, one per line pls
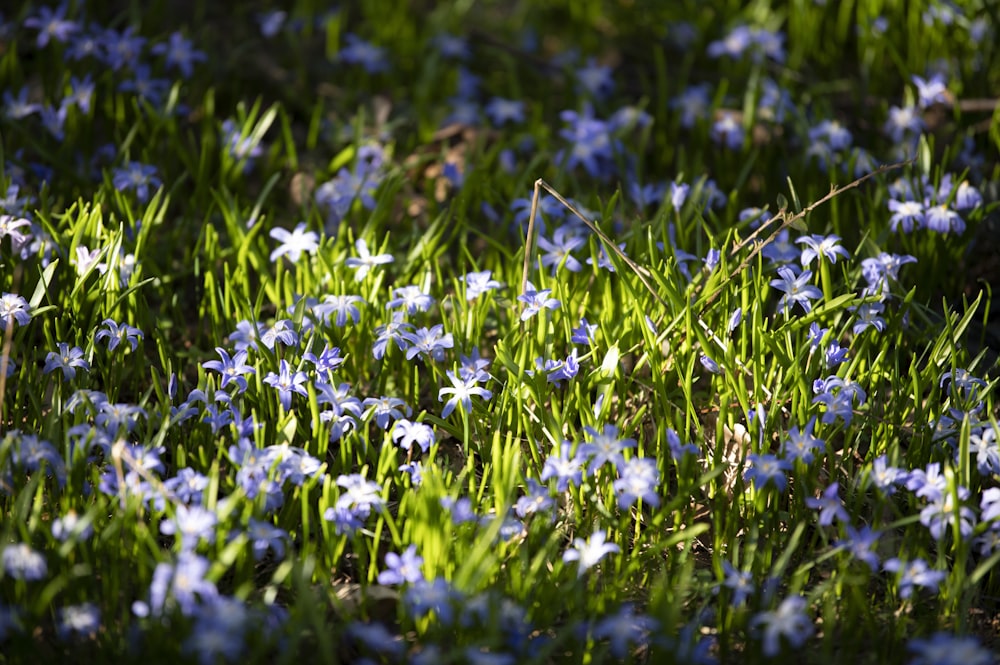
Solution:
(558, 250)
(451, 46)
(535, 301)
(246, 335)
(727, 130)
(737, 41)
(789, 621)
(187, 486)
(739, 582)
(428, 342)
(796, 289)
(142, 83)
(343, 306)
(931, 90)
(357, 51)
(184, 582)
(694, 104)
(834, 355)
(503, 111)
(218, 632)
(587, 553)
(625, 628)
(406, 433)
(904, 123)
(264, 536)
(191, 525)
(831, 134)
(604, 447)
(591, 144)
(838, 405)
(964, 386)
(17, 108)
(940, 514)
(775, 102)
(945, 649)
(829, 505)
(53, 120)
(365, 261)
(294, 243)
(122, 49)
(584, 333)
(137, 177)
(72, 527)
(766, 469)
(31, 453)
(734, 320)
(271, 22)
(51, 25)
(860, 543)
(967, 197)
(344, 409)
(412, 299)
(179, 53)
(536, 500)
(595, 80)
(825, 246)
(678, 450)
(327, 362)
(358, 495)
(478, 283)
(384, 408)
(67, 360)
(781, 249)
(83, 620)
(436, 596)
(914, 574)
(557, 371)
(929, 483)
(638, 481)
(885, 477)
(14, 308)
(401, 569)
(461, 509)
(942, 219)
(564, 466)
(474, 368)
(286, 383)
(240, 147)
(23, 563)
(709, 364)
(282, 331)
(800, 445)
(462, 390)
(983, 444)
(231, 369)
(117, 333)
(868, 317)
(394, 331)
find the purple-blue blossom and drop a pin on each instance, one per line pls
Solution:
(286, 382)
(797, 289)
(587, 553)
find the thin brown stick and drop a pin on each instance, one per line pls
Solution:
(639, 271)
(787, 221)
(529, 240)
(8, 338)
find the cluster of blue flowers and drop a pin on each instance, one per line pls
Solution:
(310, 371)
